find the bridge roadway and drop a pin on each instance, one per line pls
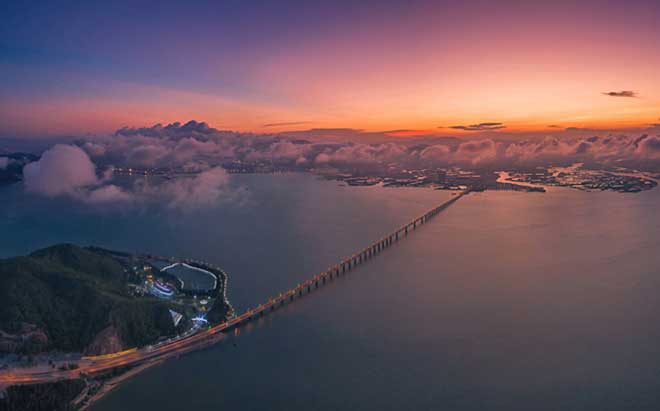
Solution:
(177, 346)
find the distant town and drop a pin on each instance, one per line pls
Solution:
(532, 179)
(577, 177)
(446, 178)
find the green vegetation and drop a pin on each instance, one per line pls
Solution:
(72, 294)
(55, 396)
(219, 312)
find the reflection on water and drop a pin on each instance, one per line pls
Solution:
(505, 301)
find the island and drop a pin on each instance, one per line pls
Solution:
(65, 303)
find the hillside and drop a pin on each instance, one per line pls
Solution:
(63, 297)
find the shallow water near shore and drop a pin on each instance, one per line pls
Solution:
(506, 300)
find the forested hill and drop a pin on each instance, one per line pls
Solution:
(62, 298)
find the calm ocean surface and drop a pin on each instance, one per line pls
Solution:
(511, 301)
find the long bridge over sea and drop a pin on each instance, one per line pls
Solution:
(343, 267)
(177, 346)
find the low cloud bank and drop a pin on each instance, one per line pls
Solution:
(84, 170)
(206, 189)
(67, 170)
(196, 146)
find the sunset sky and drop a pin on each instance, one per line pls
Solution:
(438, 67)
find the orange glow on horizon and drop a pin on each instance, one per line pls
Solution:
(415, 70)
(103, 116)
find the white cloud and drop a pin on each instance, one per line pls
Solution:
(475, 152)
(68, 170)
(62, 169)
(649, 148)
(437, 152)
(206, 189)
(107, 194)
